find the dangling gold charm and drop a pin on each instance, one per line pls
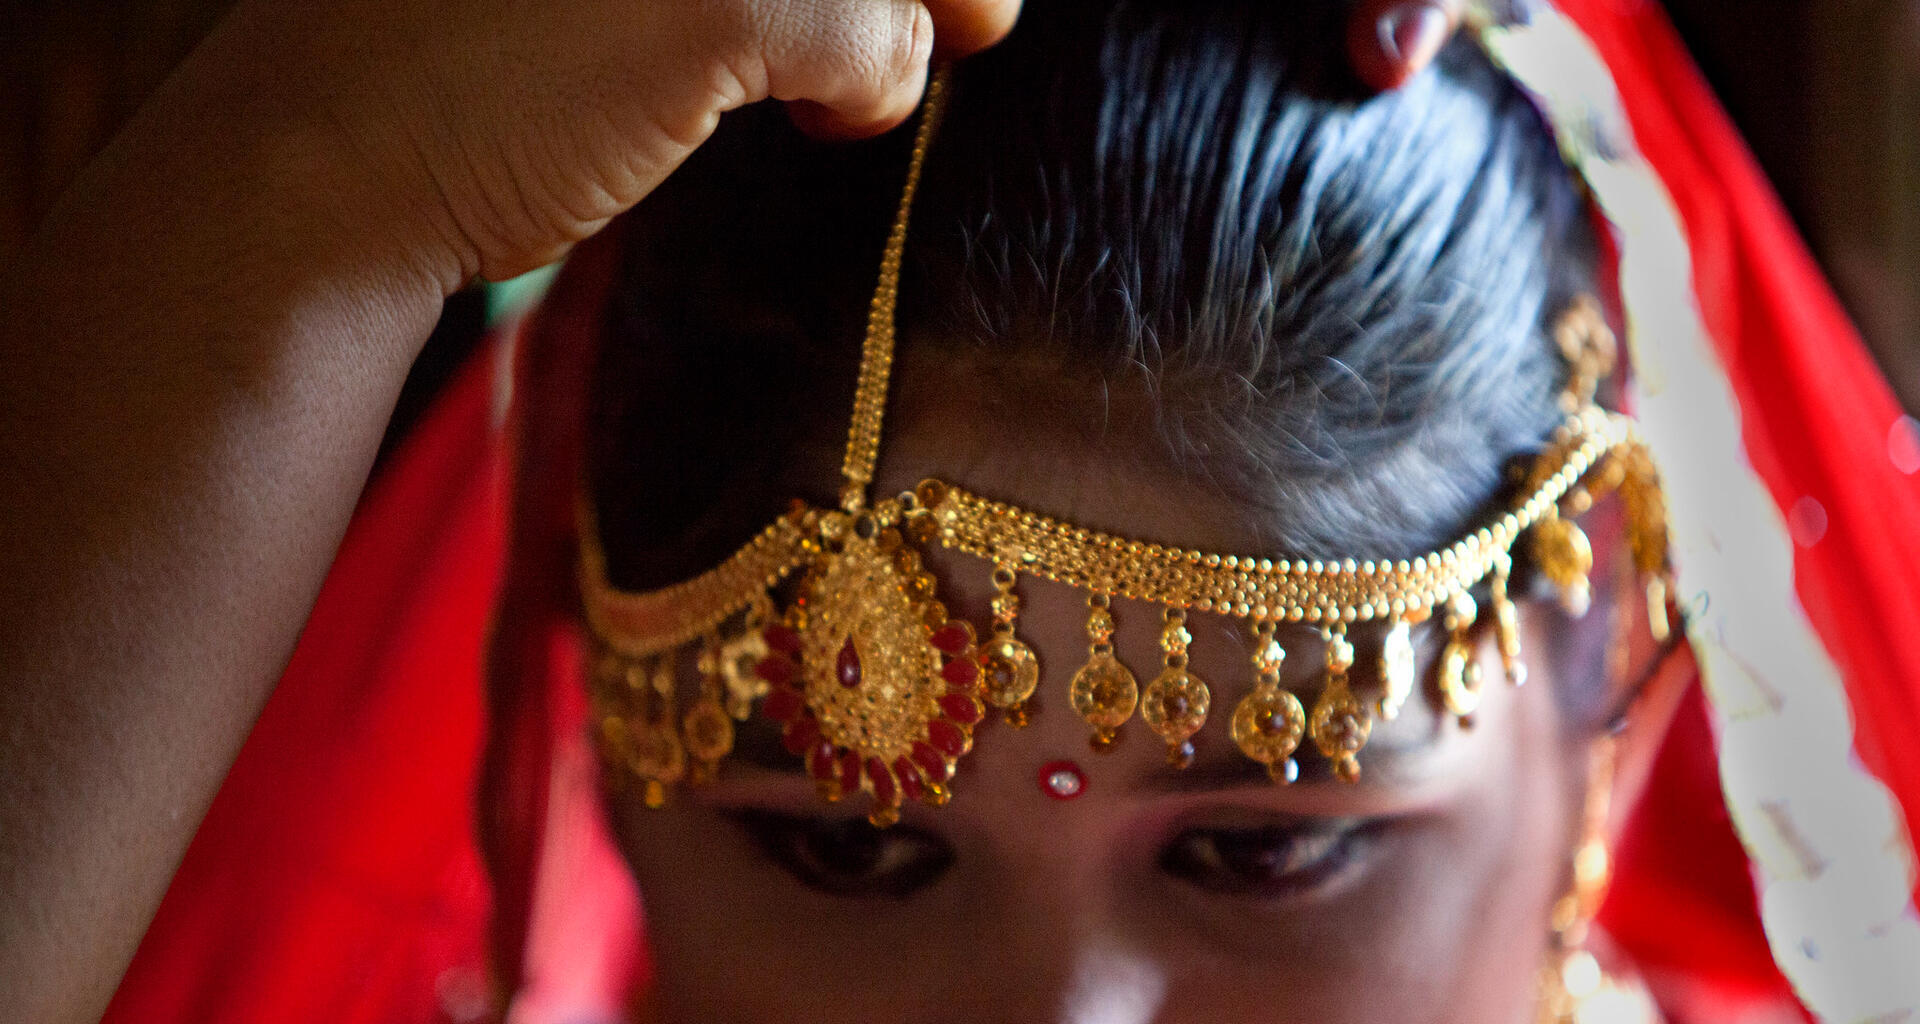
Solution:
(1176, 701)
(1269, 723)
(1565, 556)
(647, 737)
(1341, 725)
(1104, 692)
(1396, 669)
(1009, 669)
(1659, 622)
(1460, 676)
(707, 728)
(740, 658)
(1506, 622)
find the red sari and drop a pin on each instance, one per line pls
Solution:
(339, 876)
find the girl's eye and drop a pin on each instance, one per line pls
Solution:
(1261, 862)
(849, 857)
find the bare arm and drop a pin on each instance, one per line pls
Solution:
(203, 342)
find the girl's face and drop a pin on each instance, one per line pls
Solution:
(1421, 894)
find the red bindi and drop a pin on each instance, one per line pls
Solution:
(1062, 780)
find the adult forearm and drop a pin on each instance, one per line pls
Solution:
(202, 346)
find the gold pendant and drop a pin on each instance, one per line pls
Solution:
(1460, 676)
(1104, 691)
(1010, 669)
(1341, 725)
(644, 736)
(707, 729)
(874, 695)
(1565, 556)
(1269, 723)
(1176, 702)
(1396, 669)
(740, 657)
(1506, 621)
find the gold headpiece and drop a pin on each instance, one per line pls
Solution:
(877, 688)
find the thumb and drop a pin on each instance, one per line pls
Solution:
(1390, 41)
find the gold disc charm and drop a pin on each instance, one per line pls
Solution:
(1396, 669)
(707, 728)
(1009, 670)
(740, 658)
(1341, 724)
(1269, 723)
(1104, 692)
(1176, 702)
(647, 738)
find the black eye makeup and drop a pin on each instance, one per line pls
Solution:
(849, 857)
(1266, 861)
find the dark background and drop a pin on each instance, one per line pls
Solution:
(1827, 92)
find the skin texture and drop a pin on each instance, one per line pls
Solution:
(206, 334)
(1433, 909)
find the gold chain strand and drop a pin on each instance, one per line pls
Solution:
(1319, 593)
(639, 625)
(876, 356)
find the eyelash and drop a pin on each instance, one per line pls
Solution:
(849, 857)
(852, 859)
(1263, 863)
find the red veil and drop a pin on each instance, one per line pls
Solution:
(338, 876)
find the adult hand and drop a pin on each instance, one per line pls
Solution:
(1390, 41)
(533, 124)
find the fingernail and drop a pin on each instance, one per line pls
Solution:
(1412, 33)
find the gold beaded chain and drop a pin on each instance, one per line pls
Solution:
(877, 689)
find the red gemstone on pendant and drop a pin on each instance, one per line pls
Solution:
(776, 669)
(947, 737)
(932, 765)
(820, 763)
(847, 665)
(849, 772)
(961, 672)
(783, 704)
(952, 638)
(961, 708)
(882, 780)
(782, 639)
(910, 786)
(802, 733)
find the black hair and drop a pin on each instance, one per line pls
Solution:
(1337, 304)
